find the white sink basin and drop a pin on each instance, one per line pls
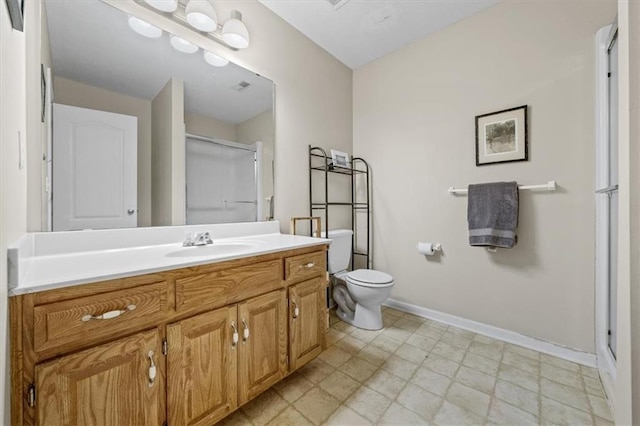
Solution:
(215, 249)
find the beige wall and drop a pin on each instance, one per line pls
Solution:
(209, 127)
(69, 92)
(313, 94)
(13, 181)
(260, 128)
(414, 122)
(168, 155)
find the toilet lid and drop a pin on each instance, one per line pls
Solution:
(370, 277)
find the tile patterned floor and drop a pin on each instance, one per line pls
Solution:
(418, 371)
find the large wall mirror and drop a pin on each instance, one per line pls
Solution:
(142, 133)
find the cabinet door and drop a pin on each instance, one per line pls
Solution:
(106, 385)
(263, 343)
(202, 368)
(306, 309)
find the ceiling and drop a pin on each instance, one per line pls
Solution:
(92, 43)
(360, 31)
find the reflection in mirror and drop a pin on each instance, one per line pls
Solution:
(144, 134)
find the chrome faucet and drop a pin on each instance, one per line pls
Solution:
(199, 239)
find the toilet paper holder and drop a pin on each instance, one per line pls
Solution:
(429, 249)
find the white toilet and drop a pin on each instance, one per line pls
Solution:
(360, 299)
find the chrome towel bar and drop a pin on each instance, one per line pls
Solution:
(549, 186)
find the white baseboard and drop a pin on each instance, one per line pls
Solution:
(573, 355)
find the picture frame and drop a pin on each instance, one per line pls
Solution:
(340, 159)
(16, 13)
(502, 136)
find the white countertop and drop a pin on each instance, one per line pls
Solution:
(50, 270)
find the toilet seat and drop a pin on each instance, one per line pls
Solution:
(369, 278)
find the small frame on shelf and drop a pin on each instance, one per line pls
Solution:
(340, 159)
(501, 136)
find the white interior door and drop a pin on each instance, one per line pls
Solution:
(221, 182)
(94, 169)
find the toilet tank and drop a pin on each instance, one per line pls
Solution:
(339, 250)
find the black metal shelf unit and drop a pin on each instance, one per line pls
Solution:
(321, 166)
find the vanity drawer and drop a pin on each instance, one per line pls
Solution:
(227, 286)
(305, 266)
(80, 322)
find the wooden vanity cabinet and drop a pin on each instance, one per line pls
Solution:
(68, 369)
(111, 384)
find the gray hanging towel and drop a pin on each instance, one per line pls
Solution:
(492, 213)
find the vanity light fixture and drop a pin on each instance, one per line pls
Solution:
(201, 15)
(143, 28)
(169, 6)
(182, 45)
(234, 32)
(215, 60)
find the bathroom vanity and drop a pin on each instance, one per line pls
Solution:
(183, 344)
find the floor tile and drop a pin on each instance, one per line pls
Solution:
(522, 351)
(350, 345)
(453, 415)
(400, 367)
(448, 351)
(293, 387)
(290, 417)
(397, 333)
(471, 399)
(521, 378)
(422, 342)
(561, 375)
(522, 362)
(264, 407)
(475, 379)
(339, 385)
(335, 356)
(559, 413)
(505, 414)
(600, 407)
(386, 343)
(481, 363)
(431, 381)
(316, 371)
(373, 355)
(358, 368)
(441, 365)
(454, 339)
(345, 416)
(440, 375)
(564, 394)
(386, 383)
(562, 363)
(518, 396)
(316, 405)
(411, 353)
(369, 403)
(418, 400)
(398, 415)
(409, 323)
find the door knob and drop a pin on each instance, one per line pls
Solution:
(131, 211)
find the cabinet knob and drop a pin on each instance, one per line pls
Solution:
(131, 211)
(296, 310)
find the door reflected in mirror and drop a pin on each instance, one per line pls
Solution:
(143, 134)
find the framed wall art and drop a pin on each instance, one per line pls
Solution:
(501, 136)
